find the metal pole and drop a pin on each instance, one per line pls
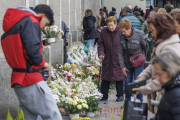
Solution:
(47, 2)
(36, 2)
(27, 3)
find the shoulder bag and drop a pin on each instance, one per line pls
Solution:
(137, 59)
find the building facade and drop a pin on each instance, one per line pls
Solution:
(161, 3)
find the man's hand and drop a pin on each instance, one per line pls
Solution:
(140, 79)
(101, 57)
(124, 71)
(46, 43)
(46, 66)
(137, 90)
(67, 40)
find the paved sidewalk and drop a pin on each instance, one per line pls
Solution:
(110, 109)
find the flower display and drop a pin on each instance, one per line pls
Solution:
(74, 84)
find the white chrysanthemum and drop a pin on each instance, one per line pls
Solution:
(79, 107)
(74, 103)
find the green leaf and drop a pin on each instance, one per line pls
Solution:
(9, 117)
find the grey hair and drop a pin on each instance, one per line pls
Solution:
(128, 9)
(89, 12)
(169, 63)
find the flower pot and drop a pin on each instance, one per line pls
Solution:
(73, 116)
(90, 114)
(51, 40)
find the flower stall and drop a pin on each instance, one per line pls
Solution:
(74, 84)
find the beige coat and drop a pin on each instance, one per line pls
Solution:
(171, 44)
(99, 18)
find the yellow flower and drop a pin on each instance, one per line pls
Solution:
(74, 65)
(74, 72)
(65, 66)
(77, 100)
(70, 100)
(74, 103)
(74, 90)
(81, 101)
(58, 86)
(87, 106)
(75, 97)
(79, 107)
(53, 87)
(84, 105)
(84, 101)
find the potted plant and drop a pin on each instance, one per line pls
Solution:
(51, 34)
(74, 106)
(92, 102)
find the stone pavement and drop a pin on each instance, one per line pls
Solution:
(110, 109)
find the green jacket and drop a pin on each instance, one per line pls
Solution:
(134, 21)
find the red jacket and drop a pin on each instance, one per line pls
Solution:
(22, 46)
(146, 15)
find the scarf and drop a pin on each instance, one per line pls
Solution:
(156, 43)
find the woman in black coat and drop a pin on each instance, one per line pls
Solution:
(167, 69)
(90, 32)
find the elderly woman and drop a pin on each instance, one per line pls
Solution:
(108, 52)
(167, 70)
(131, 43)
(163, 30)
(90, 32)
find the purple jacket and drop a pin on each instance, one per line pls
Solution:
(108, 44)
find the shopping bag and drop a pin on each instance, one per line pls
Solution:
(135, 111)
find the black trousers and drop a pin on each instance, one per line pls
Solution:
(105, 88)
(65, 54)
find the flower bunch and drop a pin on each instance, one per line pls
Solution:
(74, 106)
(51, 32)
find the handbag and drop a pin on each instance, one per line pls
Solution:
(137, 59)
(135, 111)
(45, 74)
(130, 86)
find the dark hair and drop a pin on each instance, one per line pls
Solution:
(89, 12)
(101, 9)
(105, 8)
(176, 15)
(113, 9)
(151, 7)
(164, 24)
(168, 8)
(137, 13)
(45, 9)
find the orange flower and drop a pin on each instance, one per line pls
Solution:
(72, 91)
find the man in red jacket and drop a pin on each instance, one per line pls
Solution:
(22, 47)
(147, 13)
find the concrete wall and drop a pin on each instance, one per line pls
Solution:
(118, 4)
(8, 99)
(66, 11)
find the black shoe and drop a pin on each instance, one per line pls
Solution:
(103, 99)
(153, 118)
(121, 98)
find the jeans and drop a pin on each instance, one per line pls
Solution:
(133, 73)
(90, 42)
